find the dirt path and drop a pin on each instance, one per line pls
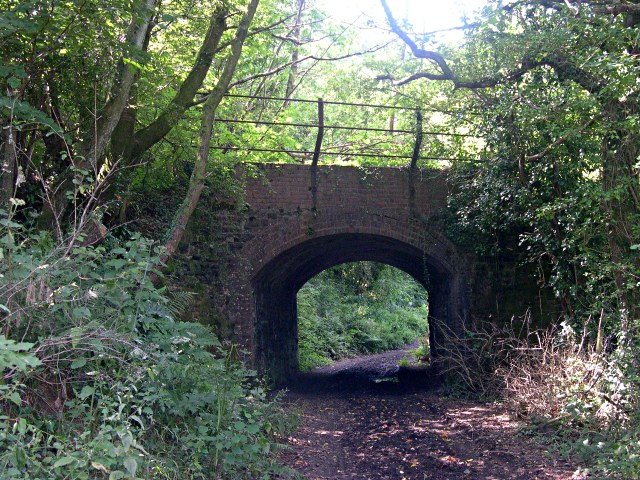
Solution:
(356, 424)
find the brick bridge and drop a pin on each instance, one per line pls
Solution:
(299, 221)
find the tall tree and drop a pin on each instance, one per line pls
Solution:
(93, 91)
(97, 135)
(558, 82)
(198, 175)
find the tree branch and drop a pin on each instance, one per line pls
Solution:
(198, 175)
(609, 7)
(563, 67)
(99, 135)
(256, 31)
(156, 130)
(618, 9)
(487, 82)
(282, 67)
(418, 52)
(559, 141)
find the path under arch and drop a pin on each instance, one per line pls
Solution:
(276, 284)
(354, 427)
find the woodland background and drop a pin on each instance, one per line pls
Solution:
(108, 106)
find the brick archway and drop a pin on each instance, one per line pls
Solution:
(249, 260)
(275, 285)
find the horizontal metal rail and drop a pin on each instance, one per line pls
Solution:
(310, 152)
(303, 100)
(338, 127)
(320, 126)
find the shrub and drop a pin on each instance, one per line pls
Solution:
(590, 395)
(588, 391)
(100, 381)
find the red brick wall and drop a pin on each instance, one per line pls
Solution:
(348, 200)
(283, 215)
(288, 187)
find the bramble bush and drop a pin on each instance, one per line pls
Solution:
(99, 379)
(575, 385)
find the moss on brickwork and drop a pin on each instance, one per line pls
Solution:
(202, 265)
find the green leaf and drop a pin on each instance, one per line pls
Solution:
(86, 391)
(131, 465)
(80, 313)
(116, 263)
(137, 419)
(136, 65)
(78, 363)
(127, 440)
(63, 461)
(12, 356)
(9, 224)
(15, 398)
(76, 333)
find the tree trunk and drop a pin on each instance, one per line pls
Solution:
(129, 146)
(198, 175)
(121, 91)
(122, 137)
(293, 73)
(621, 206)
(98, 136)
(8, 163)
(158, 129)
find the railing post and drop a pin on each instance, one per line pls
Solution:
(316, 155)
(413, 167)
(418, 143)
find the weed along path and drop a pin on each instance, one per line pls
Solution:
(357, 424)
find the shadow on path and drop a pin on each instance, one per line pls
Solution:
(372, 373)
(365, 418)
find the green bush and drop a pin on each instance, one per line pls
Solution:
(601, 415)
(100, 381)
(358, 308)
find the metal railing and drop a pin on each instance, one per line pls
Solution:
(321, 128)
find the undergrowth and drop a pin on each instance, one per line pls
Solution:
(99, 379)
(582, 389)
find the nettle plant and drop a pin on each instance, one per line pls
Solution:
(99, 379)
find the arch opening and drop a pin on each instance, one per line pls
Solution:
(360, 308)
(277, 283)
